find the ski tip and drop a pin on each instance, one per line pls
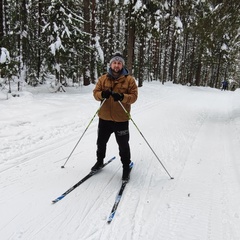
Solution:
(131, 164)
(110, 218)
(111, 159)
(58, 199)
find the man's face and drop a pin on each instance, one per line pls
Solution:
(116, 66)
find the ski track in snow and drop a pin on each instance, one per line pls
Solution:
(195, 132)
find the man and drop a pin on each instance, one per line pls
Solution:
(225, 85)
(115, 86)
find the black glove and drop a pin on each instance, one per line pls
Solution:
(106, 94)
(117, 96)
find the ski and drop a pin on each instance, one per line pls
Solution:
(118, 198)
(80, 182)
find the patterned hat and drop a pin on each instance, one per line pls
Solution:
(117, 57)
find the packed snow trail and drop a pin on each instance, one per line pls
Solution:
(194, 131)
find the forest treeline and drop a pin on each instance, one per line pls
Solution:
(192, 42)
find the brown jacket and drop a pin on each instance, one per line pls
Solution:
(111, 110)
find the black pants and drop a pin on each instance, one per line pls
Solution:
(121, 131)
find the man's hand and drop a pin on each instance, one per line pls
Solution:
(106, 94)
(117, 96)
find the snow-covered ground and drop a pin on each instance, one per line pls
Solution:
(194, 131)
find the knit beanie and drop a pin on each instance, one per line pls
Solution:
(117, 57)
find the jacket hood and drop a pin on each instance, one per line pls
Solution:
(123, 72)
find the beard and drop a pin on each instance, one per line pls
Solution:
(116, 70)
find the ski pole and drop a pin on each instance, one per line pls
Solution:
(84, 132)
(128, 114)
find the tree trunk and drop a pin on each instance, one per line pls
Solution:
(141, 62)
(86, 55)
(39, 62)
(1, 22)
(130, 38)
(93, 67)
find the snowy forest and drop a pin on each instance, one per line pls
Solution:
(193, 42)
